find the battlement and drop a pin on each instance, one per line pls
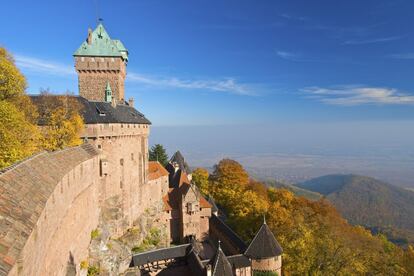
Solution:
(97, 64)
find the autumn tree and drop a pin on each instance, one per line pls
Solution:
(12, 82)
(158, 153)
(315, 238)
(227, 181)
(200, 179)
(18, 137)
(60, 120)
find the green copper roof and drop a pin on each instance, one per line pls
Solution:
(102, 45)
(108, 93)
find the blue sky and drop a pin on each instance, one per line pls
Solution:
(233, 62)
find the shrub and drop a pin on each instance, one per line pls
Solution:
(95, 234)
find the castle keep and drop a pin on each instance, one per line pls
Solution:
(51, 203)
(101, 63)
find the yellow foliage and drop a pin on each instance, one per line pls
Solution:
(12, 82)
(200, 179)
(18, 137)
(61, 121)
(315, 238)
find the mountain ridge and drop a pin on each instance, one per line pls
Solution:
(367, 201)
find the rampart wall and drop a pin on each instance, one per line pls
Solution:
(49, 206)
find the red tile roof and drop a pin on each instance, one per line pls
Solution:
(156, 170)
(204, 203)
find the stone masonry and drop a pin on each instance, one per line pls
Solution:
(95, 72)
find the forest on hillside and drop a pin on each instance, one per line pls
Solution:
(315, 238)
(369, 202)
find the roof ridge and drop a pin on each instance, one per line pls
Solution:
(21, 162)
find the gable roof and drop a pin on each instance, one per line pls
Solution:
(103, 112)
(213, 205)
(217, 225)
(156, 170)
(264, 245)
(220, 265)
(102, 45)
(204, 203)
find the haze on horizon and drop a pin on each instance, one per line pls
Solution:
(298, 88)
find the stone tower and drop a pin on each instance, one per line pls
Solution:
(265, 252)
(101, 62)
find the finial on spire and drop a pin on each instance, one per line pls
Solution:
(219, 244)
(264, 219)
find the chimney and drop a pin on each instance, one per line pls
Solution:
(131, 102)
(89, 40)
(113, 102)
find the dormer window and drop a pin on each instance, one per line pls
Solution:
(100, 112)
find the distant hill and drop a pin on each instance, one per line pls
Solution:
(367, 201)
(294, 189)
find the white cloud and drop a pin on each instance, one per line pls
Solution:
(357, 95)
(293, 17)
(229, 85)
(403, 56)
(287, 55)
(43, 66)
(373, 40)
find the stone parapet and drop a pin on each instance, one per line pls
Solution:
(111, 130)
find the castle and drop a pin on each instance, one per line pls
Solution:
(52, 202)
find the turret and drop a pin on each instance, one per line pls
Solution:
(265, 252)
(108, 93)
(100, 61)
(219, 265)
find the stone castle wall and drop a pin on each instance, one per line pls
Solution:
(56, 208)
(124, 169)
(95, 72)
(70, 192)
(270, 264)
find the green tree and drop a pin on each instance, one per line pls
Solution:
(200, 179)
(158, 153)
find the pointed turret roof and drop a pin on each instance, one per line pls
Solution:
(179, 159)
(100, 44)
(220, 264)
(264, 244)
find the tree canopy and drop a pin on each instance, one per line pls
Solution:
(315, 238)
(158, 153)
(12, 82)
(61, 120)
(20, 136)
(200, 179)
